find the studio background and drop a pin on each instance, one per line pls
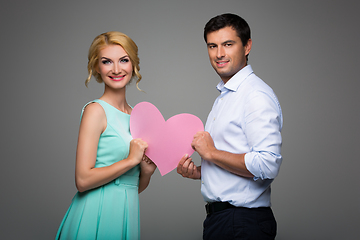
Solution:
(307, 51)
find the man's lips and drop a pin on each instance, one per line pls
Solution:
(221, 63)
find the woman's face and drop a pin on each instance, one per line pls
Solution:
(115, 66)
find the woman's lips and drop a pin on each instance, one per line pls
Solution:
(117, 78)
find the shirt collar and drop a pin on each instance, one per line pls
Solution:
(236, 80)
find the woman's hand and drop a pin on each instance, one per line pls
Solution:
(137, 150)
(147, 166)
(147, 169)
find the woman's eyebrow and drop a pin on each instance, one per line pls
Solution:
(110, 58)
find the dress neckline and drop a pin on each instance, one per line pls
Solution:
(115, 107)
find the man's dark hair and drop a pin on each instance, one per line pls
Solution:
(229, 20)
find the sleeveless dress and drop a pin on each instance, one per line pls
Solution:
(110, 211)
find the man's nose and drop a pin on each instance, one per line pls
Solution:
(220, 52)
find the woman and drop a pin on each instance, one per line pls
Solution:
(111, 168)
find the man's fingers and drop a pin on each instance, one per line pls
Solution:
(185, 166)
(181, 163)
(189, 170)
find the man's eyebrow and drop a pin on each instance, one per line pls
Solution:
(228, 41)
(208, 44)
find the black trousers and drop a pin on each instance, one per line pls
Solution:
(240, 223)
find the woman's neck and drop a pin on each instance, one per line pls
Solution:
(117, 99)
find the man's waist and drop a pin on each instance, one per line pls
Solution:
(212, 207)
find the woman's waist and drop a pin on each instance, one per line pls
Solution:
(126, 180)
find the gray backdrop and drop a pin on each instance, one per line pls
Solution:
(307, 51)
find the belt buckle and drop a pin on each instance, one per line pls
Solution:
(210, 208)
(207, 208)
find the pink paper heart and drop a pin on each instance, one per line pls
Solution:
(168, 140)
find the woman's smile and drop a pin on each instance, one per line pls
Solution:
(117, 78)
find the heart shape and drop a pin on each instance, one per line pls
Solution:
(168, 141)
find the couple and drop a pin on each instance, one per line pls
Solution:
(240, 147)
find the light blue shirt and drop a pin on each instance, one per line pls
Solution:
(245, 118)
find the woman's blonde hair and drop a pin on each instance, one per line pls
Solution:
(112, 38)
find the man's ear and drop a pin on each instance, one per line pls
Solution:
(248, 46)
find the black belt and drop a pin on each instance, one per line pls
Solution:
(217, 206)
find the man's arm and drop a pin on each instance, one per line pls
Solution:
(235, 163)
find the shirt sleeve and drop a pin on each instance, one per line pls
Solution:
(263, 123)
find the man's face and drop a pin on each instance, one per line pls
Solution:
(226, 52)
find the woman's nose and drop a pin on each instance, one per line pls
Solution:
(116, 69)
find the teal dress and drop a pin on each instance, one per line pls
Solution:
(110, 211)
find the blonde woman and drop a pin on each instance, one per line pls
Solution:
(111, 167)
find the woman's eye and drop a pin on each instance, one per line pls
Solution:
(125, 60)
(106, 62)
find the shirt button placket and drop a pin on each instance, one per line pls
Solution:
(219, 105)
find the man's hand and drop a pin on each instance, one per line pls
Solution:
(203, 144)
(188, 169)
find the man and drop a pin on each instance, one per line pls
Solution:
(240, 147)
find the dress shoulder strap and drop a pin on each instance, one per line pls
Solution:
(97, 101)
